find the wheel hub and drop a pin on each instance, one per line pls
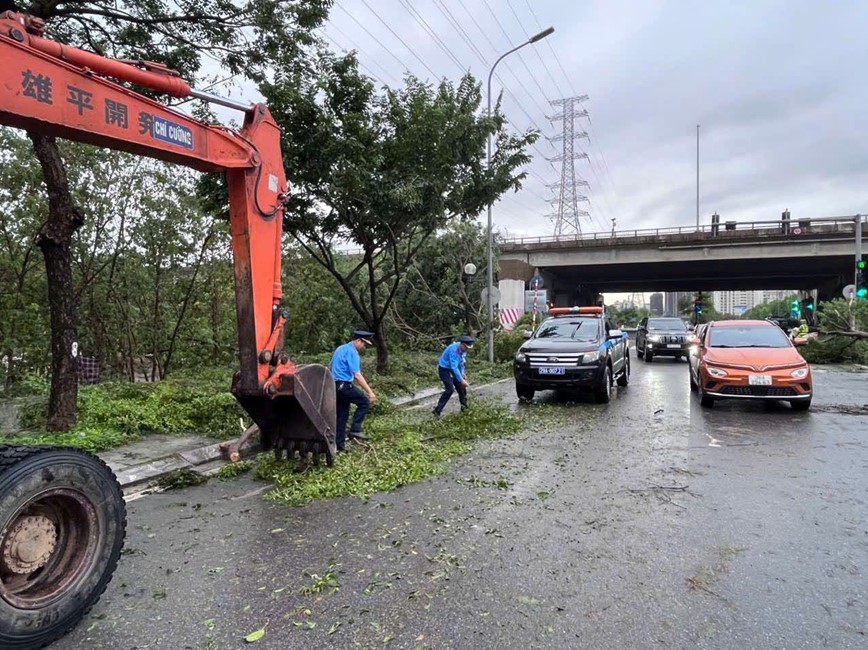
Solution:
(28, 545)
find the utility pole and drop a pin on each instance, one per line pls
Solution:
(567, 217)
(490, 285)
(697, 177)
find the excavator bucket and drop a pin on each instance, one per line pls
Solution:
(296, 412)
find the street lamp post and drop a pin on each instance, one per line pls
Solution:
(697, 177)
(490, 284)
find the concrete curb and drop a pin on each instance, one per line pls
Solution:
(137, 479)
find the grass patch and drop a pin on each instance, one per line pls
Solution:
(406, 447)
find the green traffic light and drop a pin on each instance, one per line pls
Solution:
(862, 292)
(860, 264)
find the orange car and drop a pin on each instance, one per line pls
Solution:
(749, 359)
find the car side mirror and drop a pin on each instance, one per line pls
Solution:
(527, 334)
(615, 334)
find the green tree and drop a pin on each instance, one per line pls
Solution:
(436, 299)
(384, 172)
(709, 313)
(773, 308)
(242, 37)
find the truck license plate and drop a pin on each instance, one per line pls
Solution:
(760, 380)
(552, 371)
(673, 345)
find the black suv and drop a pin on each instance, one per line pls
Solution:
(577, 348)
(665, 337)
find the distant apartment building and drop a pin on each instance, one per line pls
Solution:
(656, 304)
(738, 302)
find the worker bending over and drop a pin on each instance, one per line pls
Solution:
(452, 370)
(346, 369)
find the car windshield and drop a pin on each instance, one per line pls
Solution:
(672, 324)
(748, 336)
(580, 329)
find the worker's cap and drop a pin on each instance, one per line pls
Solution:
(366, 337)
(467, 340)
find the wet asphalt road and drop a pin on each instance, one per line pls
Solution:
(649, 522)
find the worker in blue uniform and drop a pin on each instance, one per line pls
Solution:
(346, 369)
(453, 372)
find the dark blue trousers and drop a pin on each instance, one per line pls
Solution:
(450, 385)
(347, 394)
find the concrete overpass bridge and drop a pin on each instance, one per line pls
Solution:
(810, 254)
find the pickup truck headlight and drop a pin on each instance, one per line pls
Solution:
(655, 338)
(799, 373)
(520, 357)
(591, 357)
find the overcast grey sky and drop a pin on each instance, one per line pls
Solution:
(778, 87)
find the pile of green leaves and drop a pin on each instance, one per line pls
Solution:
(839, 316)
(115, 413)
(406, 446)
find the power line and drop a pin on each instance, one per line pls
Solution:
(450, 17)
(605, 166)
(552, 49)
(411, 50)
(403, 65)
(535, 49)
(420, 20)
(504, 85)
(520, 57)
(362, 65)
(373, 60)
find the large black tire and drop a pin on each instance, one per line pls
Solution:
(639, 355)
(525, 393)
(648, 356)
(800, 404)
(62, 527)
(603, 392)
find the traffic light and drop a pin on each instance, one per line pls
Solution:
(861, 279)
(697, 304)
(808, 305)
(795, 309)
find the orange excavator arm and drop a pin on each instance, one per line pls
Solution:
(62, 514)
(51, 88)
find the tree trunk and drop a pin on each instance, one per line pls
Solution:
(55, 242)
(382, 348)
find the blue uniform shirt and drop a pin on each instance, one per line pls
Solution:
(454, 359)
(346, 362)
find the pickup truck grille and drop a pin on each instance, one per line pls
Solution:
(554, 360)
(672, 339)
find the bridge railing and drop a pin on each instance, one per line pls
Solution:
(733, 229)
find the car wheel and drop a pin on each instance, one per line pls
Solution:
(648, 356)
(639, 355)
(62, 526)
(800, 404)
(705, 399)
(624, 379)
(603, 392)
(525, 393)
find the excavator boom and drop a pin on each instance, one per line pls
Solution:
(50, 88)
